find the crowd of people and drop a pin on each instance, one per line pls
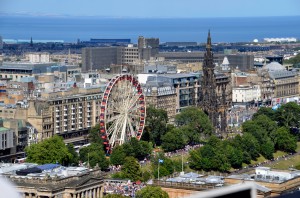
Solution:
(127, 189)
(183, 151)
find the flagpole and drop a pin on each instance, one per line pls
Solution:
(158, 170)
(182, 161)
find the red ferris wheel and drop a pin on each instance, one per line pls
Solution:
(123, 111)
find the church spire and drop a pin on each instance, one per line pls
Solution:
(208, 44)
(31, 42)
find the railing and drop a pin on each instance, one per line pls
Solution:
(183, 185)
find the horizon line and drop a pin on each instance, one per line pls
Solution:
(51, 15)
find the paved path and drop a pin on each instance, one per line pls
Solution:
(265, 163)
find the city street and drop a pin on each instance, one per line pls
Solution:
(238, 115)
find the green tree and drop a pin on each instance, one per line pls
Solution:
(152, 192)
(210, 157)
(94, 136)
(284, 141)
(51, 150)
(195, 158)
(293, 60)
(156, 125)
(237, 143)
(173, 140)
(131, 169)
(94, 154)
(235, 156)
(267, 111)
(191, 135)
(256, 130)
(288, 115)
(117, 156)
(265, 122)
(166, 168)
(163, 171)
(267, 149)
(137, 149)
(74, 155)
(196, 119)
(146, 176)
(251, 145)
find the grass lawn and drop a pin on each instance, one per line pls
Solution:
(262, 158)
(298, 147)
(285, 164)
(146, 167)
(185, 158)
(288, 163)
(291, 161)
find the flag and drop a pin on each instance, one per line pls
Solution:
(160, 161)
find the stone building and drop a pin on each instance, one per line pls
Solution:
(278, 85)
(7, 143)
(81, 183)
(101, 58)
(69, 113)
(161, 97)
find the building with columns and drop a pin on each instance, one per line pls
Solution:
(75, 182)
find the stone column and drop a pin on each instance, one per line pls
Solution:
(94, 192)
(100, 191)
(97, 192)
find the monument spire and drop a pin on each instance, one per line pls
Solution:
(208, 44)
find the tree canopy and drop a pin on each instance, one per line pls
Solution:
(174, 140)
(211, 156)
(264, 111)
(51, 150)
(167, 167)
(288, 115)
(284, 140)
(118, 155)
(152, 192)
(293, 60)
(156, 125)
(130, 170)
(74, 155)
(94, 136)
(197, 121)
(94, 154)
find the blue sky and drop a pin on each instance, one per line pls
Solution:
(152, 8)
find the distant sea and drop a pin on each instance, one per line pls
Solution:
(166, 29)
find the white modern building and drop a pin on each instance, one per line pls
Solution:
(38, 57)
(292, 39)
(6, 138)
(265, 173)
(246, 94)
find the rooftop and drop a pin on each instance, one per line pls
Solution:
(273, 66)
(3, 129)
